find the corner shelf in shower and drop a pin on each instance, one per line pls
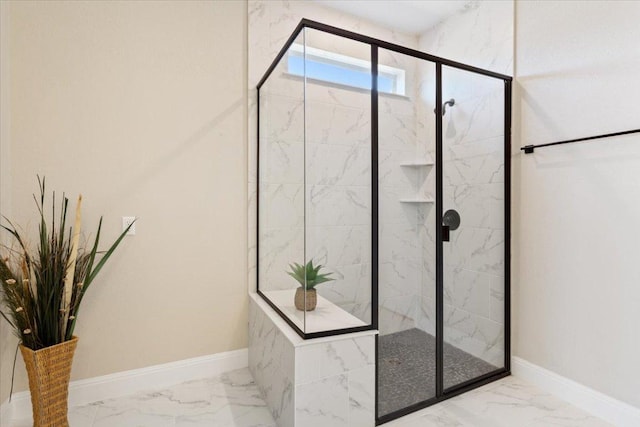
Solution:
(417, 163)
(417, 200)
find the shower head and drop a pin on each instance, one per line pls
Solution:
(450, 103)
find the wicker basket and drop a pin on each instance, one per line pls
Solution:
(49, 370)
(307, 303)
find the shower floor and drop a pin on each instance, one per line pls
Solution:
(407, 369)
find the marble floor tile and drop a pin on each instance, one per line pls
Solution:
(505, 403)
(233, 400)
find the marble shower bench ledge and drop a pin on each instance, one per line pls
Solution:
(326, 317)
(320, 382)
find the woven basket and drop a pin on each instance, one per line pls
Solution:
(49, 370)
(307, 303)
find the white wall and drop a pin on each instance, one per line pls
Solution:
(6, 350)
(577, 296)
(139, 106)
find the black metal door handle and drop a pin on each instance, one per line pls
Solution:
(445, 233)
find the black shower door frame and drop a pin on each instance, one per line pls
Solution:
(441, 392)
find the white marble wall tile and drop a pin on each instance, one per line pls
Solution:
(282, 84)
(281, 205)
(279, 395)
(349, 98)
(271, 362)
(482, 35)
(328, 122)
(399, 106)
(398, 277)
(391, 211)
(278, 248)
(281, 162)
(397, 132)
(330, 206)
(405, 180)
(427, 316)
(317, 361)
(362, 385)
(348, 245)
(497, 299)
(476, 162)
(342, 290)
(323, 403)
(281, 118)
(352, 284)
(348, 354)
(398, 314)
(476, 335)
(479, 205)
(335, 164)
(477, 249)
(361, 310)
(470, 290)
(475, 119)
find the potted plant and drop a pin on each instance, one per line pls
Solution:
(309, 277)
(41, 291)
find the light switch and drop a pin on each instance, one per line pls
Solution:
(126, 221)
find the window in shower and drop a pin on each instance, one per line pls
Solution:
(325, 66)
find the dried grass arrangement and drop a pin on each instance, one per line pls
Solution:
(42, 288)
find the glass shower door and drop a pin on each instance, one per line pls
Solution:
(473, 226)
(406, 357)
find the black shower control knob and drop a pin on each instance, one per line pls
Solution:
(451, 219)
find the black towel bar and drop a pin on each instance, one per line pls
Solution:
(528, 149)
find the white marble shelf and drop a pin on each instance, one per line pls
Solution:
(326, 317)
(417, 200)
(417, 163)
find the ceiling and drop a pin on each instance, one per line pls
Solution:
(407, 16)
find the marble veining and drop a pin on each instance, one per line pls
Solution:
(236, 403)
(504, 403)
(228, 400)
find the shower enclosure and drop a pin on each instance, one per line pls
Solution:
(389, 168)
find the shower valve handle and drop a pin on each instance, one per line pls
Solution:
(445, 233)
(450, 222)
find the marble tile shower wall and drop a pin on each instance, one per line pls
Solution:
(316, 187)
(400, 253)
(281, 178)
(338, 194)
(473, 175)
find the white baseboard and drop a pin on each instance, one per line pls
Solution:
(110, 386)
(598, 404)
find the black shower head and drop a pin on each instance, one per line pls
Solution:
(450, 103)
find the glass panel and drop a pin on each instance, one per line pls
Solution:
(406, 344)
(338, 188)
(473, 188)
(281, 188)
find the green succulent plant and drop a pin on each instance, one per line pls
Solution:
(307, 275)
